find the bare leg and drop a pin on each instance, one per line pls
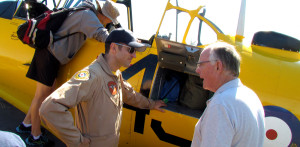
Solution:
(27, 119)
(41, 93)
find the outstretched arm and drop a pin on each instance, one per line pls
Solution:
(136, 99)
(158, 104)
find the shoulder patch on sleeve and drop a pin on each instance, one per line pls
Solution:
(82, 75)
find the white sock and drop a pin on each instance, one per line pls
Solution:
(26, 125)
(36, 137)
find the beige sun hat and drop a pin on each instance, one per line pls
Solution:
(110, 10)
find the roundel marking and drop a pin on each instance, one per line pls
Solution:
(271, 134)
(278, 133)
(282, 127)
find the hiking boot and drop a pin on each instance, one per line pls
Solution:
(22, 129)
(43, 140)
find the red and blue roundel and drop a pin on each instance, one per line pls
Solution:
(282, 127)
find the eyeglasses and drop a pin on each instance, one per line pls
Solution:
(131, 50)
(202, 62)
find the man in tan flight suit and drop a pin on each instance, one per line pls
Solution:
(97, 92)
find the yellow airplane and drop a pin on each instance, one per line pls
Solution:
(270, 66)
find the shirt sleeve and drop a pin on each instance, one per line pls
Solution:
(55, 113)
(91, 26)
(134, 98)
(216, 128)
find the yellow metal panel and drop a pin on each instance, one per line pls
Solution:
(277, 53)
(171, 122)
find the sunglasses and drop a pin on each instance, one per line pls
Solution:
(131, 50)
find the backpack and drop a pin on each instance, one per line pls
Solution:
(38, 32)
(35, 9)
(193, 95)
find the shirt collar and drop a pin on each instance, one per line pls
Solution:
(233, 83)
(102, 62)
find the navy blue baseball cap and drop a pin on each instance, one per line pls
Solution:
(121, 35)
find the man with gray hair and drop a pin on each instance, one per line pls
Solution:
(234, 116)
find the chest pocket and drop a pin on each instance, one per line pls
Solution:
(113, 91)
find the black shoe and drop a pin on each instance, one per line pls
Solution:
(43, 140)
(22, 129)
